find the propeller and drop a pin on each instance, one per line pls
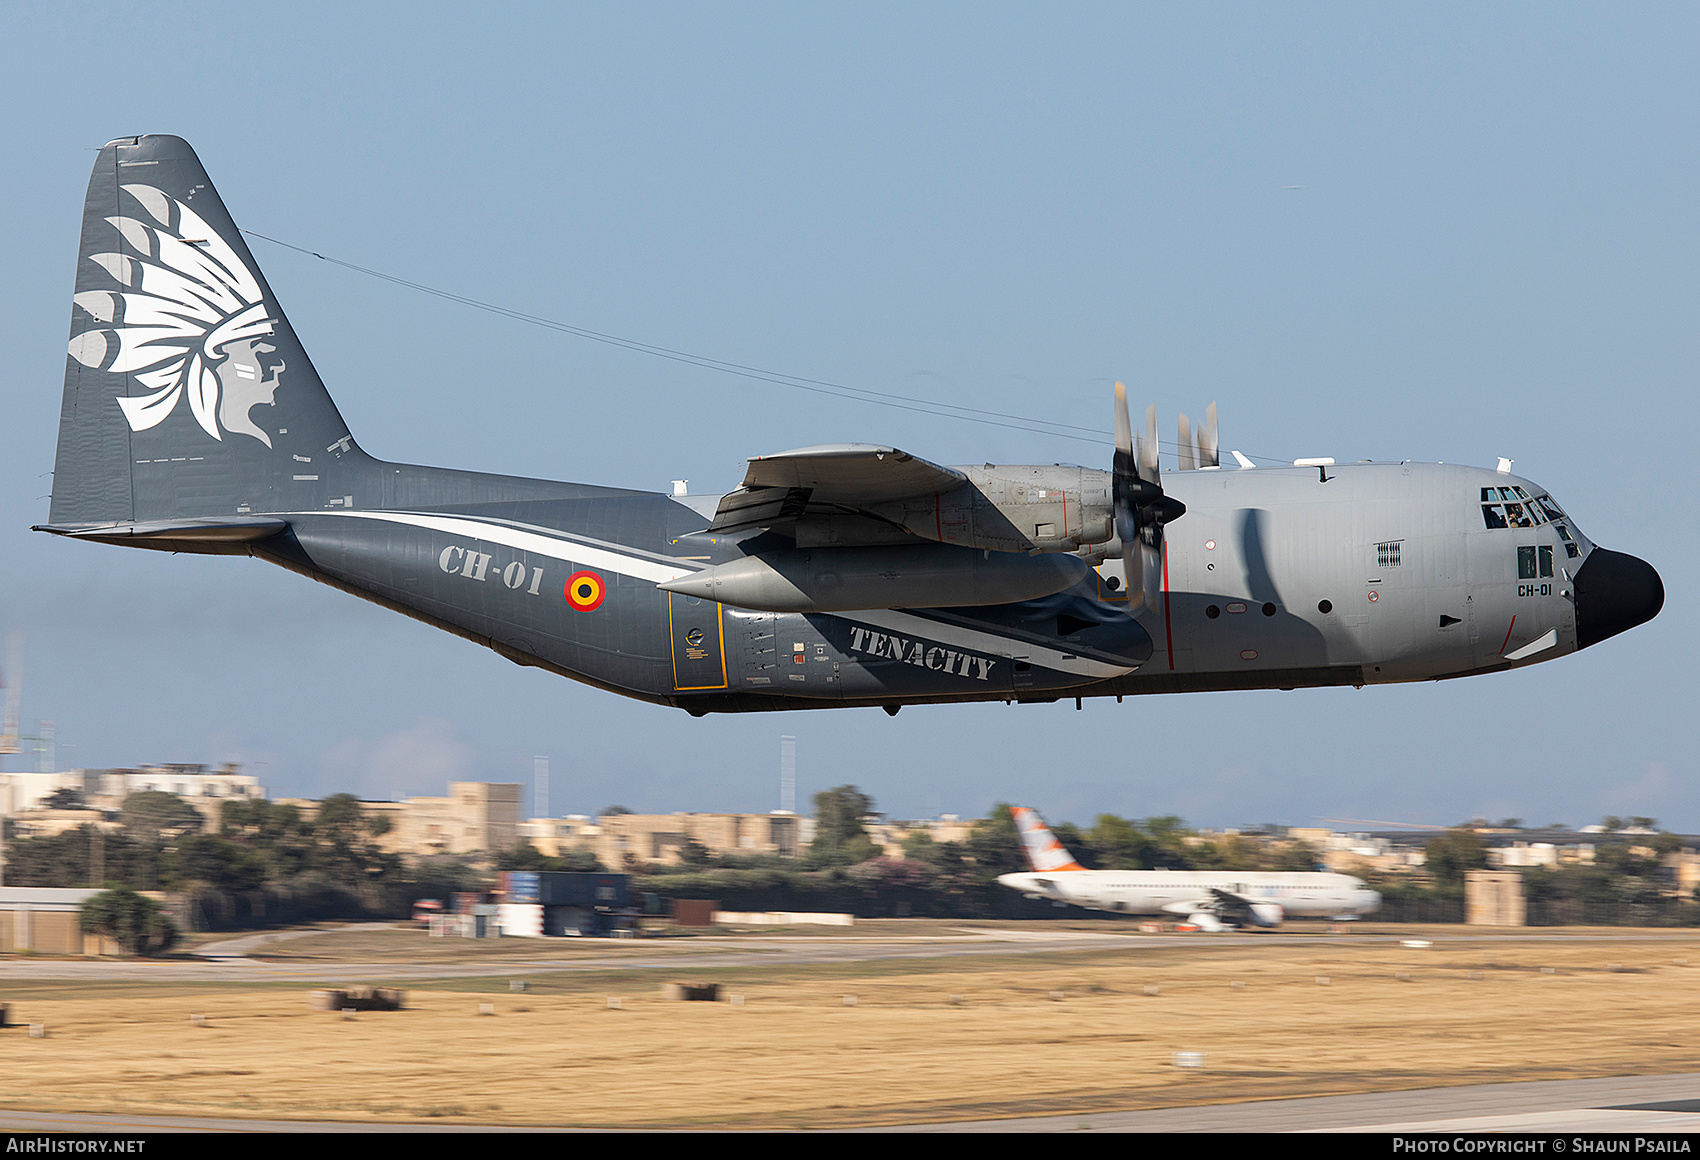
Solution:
(1141, 508)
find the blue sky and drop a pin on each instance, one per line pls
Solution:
(1491, 250)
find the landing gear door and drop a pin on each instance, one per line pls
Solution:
(699, 642)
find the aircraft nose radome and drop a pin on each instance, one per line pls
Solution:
(1614, 592)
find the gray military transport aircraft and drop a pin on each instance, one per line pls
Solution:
(840, 575)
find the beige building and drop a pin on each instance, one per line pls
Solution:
(46, 920)
(658, 838)
(106, 789)
(890, 836)
(1495, 898)
(477, 817)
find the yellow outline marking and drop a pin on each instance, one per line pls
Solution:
(673, 650)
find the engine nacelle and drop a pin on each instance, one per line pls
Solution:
(1267, 913)
(1012, 509)
(1205, 921)
(911, 576)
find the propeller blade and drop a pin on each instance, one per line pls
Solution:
(1148, 447)
(1151, 565)
(1133, 572)
(1122, 477)
(1188, 459)
(1209, 450)
(1124, 429)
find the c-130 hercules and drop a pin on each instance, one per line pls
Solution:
(841, 575)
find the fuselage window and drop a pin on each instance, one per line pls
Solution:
(1492, 514)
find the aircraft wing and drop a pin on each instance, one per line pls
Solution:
(845, 476)
(1225, 904)
(1229, 906)
(1191, 905)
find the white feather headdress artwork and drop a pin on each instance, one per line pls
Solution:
(189, 297)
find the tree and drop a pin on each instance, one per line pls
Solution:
(840, 837)
(218, 863)
(919, 846)
(694, 853)
(521, 856)
(1118, 844)
(994, 845)
(132, 921)
(65, 798)
(155, 816)
(1449, 857)
(340, 819)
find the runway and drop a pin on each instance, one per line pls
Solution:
(1645, 1105)
(1630, 1104)
(230, 961)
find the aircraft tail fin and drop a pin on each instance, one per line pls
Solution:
(1044, 853)
(187, 393)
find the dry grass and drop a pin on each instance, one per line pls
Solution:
(795, 1055)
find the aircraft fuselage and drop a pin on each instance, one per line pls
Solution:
(1273, 578)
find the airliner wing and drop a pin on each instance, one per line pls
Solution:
(842, 476)
(1229, 906)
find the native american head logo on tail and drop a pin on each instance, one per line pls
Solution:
(191, 322)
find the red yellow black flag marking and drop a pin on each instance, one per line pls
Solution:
(585, 591)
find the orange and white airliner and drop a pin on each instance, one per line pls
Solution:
(1212, 900)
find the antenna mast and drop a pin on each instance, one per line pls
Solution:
(13, 681)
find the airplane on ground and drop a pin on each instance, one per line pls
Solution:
(1212, 900)
(840, 575)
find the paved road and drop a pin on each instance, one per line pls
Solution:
(1569, 1105)
(1576, 1105)
(230, 963)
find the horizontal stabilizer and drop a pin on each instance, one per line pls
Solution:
(216, 535)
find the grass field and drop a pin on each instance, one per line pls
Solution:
(927, 1039)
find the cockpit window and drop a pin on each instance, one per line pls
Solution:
(1512, 507)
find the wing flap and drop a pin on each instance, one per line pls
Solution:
(851, 473)
(759, 507)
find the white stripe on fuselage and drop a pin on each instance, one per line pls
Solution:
(571, 551)
(662, 569)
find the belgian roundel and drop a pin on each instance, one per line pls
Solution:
(585, 590)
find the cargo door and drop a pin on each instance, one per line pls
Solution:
(699, 642)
